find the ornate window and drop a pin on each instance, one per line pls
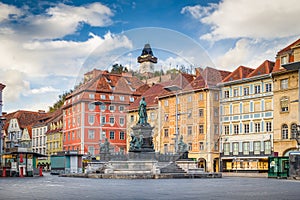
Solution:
(235, 92)
(293, 131)
(236, 128)
(226, 148)
(257, 127)
(284, 131)
(268, 126)
(256, 147)
(166, 132)
(112, 135)
(268, 87)
(246, 128)
(91, 119)
(284, 84)
(226, 94)
(256, 89)
(122, 135)
(226, 130)
(235, 148)
(267, 145)
(284, 104)
(246, 148)
(201, 129)
(246, 91)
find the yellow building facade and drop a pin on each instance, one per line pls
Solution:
(247, 119)
(197, 121)
(286, 91)
(54, 135)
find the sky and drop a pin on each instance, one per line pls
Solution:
(47, 46)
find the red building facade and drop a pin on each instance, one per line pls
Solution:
(96, 110)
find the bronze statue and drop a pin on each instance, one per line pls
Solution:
(182, 147)
(136, 143)
(142, 112)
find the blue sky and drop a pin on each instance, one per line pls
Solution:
(46, 46)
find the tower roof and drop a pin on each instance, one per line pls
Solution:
(147, 55)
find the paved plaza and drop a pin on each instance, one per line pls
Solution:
(54, 187)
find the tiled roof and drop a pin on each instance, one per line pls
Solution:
(208, 77)
(112, 83)
(287, 48)
(151, 97)
(240, 73)
(25, 118)
(56, 117)
(265, 68)
(182, 80)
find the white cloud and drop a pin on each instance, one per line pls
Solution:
(62, 20)
(251, 52)
(198, 11)
(33, 53)
(258, 28)
(16, 84)
(43, 90)
(8, 12)
(236, 56)
(266, 19)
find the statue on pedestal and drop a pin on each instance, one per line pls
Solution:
(182, 147)
(142, 112)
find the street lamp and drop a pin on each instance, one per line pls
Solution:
(175, 88)
(296, 66)
(99, 103)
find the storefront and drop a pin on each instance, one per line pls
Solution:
(19, 162)
(241, 164)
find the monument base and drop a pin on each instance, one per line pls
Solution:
(132, 167)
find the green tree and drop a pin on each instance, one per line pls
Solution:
(118, 69)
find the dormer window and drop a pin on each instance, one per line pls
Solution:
(284, 60)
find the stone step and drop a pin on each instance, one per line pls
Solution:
(172, 168)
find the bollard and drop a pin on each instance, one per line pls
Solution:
(41, 171)
(4, 172)
(21, 172)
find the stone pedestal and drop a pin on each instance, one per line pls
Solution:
(142, 133)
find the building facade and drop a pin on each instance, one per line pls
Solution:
(195, 102)
(246, 119)
(18, 128)
(286, 91)
(54, 135)
(39, 130)
(97, 110)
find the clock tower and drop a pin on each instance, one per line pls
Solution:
(147, 60)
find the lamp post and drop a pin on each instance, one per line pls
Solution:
(296, 66)
(99, 103)
(175, 88)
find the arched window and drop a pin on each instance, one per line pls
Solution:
(294, 131)
(285, 131)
